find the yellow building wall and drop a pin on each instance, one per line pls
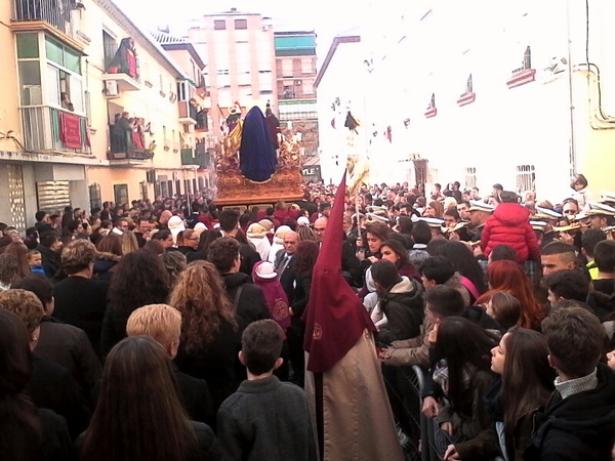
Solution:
(152, 101)
(9, 95)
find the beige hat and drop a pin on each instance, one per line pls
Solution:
(267, 224)
(256, 231)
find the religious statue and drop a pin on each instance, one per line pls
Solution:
(257, 156)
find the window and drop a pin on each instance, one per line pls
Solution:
(178, 187)
(62, 55)
(95, 197)
(181, 91)
(30, 82)
(27, 46)
(120, 193)
(306, 66)
(307, 87)
(219, 24)
(241, 24)
(470, 180)
(110, 48)
(288, 92)
(165, 138)
(161, 86)
(144, 194)
(526, 178)
(170, 188)
(287, 68)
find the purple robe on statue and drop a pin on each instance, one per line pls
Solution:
(257, 157)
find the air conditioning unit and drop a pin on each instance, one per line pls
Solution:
(111, 88)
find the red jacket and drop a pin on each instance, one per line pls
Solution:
(509, 225)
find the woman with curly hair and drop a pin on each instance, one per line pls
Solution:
(209, 340)
(139, 279)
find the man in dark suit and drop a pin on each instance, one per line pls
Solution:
(284, 263)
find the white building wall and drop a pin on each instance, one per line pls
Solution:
(419, 48)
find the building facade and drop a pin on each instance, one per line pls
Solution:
(101, 111)
(524, 99)
(295, 54)
(239, 51)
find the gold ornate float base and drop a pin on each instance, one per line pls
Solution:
(235, 189)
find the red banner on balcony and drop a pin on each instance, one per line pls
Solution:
(70, 130)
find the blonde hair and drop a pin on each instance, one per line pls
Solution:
(129, 242)
(160, 321)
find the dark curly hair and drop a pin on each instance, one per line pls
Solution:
(305, 257)
(140, 279)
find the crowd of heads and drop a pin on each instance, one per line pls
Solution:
(465, 287)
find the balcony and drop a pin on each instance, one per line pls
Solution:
(59, 17)
(198, 156)
(188, 113)
(121, 72)
(50, 130)
(127, 145)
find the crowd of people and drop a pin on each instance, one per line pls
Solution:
(175, 331)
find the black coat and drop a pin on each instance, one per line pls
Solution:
(56, 441)
(81, 302)
(70, 347)
(251, 304)
(113, 329)
(216, 362)
(195, 395)
(52, 386)
(580, 427)
(249, 257)
(404, 307)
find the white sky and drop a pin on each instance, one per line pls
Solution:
(327, 17)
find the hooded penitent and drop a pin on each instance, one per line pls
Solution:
(345, 388)
(257, 158)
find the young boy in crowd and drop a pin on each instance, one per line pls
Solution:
(265, 418)
(579, 420)
(35, 261)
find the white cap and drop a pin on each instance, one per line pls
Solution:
(478, 205)
(176, 225)
(303, 221)
(199, 228)
(547, 213)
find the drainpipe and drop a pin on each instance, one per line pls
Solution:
(572, 147)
